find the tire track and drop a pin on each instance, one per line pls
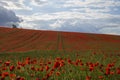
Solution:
(50, 42)
(29, 43)
(24, 40)
(60, 42)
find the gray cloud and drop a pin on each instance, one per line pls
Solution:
(8, 17)
(80, 27)
(39, 2)
(3, 3)
(15, 4)
(104, 26)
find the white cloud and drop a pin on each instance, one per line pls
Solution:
(57, 24)
(39, 3)
(91, 6)
(113, 30)
(67, 15)
(27, 25)
(93, 3)
(15, 5)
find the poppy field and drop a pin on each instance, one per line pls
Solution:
(22, 40)
(54, 55)
(50, 65)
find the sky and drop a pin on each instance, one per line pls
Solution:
(91, 16)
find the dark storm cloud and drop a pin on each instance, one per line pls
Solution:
(8, 17)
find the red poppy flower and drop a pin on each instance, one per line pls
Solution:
(88, 77)
(118, 71)
(12, 75)
(7, 63)
(100, 77)
(56, 64)
(47, 68)
(12, 68)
